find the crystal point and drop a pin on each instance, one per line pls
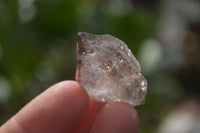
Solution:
(108, 70)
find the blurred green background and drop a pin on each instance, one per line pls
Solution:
(38, 49)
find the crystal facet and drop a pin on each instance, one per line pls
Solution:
(107, 69)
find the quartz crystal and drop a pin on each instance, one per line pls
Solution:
(108, 70)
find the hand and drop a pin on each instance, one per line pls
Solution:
(65, 108)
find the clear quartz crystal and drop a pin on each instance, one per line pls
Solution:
(108, 70)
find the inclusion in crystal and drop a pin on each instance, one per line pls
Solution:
(108, 70)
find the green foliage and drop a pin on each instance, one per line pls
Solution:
(39, 51)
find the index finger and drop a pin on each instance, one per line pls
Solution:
(58, 109)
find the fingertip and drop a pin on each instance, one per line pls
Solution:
(70, 88)
(123, 108)
(68, 85)
(86, 123)
(117, 117)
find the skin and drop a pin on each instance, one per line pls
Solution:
(66, 108)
